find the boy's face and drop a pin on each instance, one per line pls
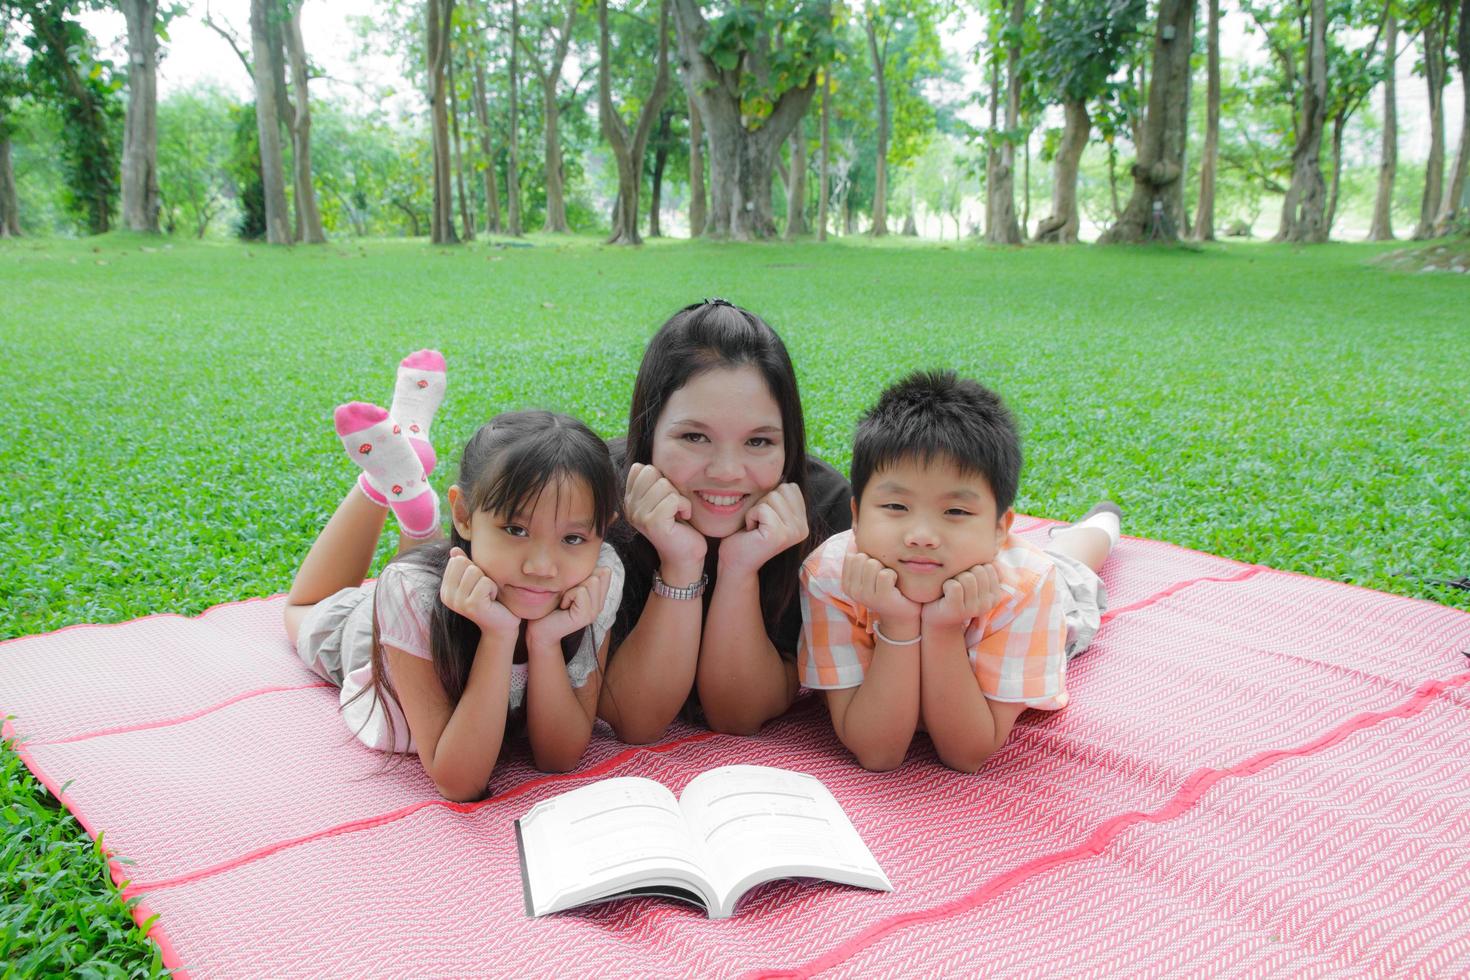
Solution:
(929, 522)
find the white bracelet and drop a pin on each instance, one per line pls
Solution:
(892, 642)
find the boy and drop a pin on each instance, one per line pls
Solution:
(929, 612)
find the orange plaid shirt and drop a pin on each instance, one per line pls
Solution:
(1017, 650)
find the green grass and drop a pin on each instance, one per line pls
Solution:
(169, 442)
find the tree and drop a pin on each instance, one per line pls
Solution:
(1001, 227)
(12, 88)
(194, 139)
(1204, 215)
(1353, 72)
(909, 31)
(482, 120)
(308, 218)
(1382, 227)
(629, 147)
(752, 73)
(1458, 195)
(546, 64)
(64, 70)
(1156, 208)
(1433, 18)
(440, 21)
(1082, 45)
(268, 72)
(466, 223)
(698, 210)
(1304, 210)
(140, 140)
(513, 163)
(796, 185)
(825, 166)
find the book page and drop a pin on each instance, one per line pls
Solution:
(603, 839)
(758, 823)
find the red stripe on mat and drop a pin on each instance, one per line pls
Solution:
(1163, 594)
(1189, 794)
(180, 719)
(367, 823)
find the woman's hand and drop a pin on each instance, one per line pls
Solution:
(579, 607)
(659, 513)
(775, 523)
(468, 591)
(969, 595)
(868, 582)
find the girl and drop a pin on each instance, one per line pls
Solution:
(721, 503)
(506, 621)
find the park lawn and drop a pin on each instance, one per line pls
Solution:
(170, 442)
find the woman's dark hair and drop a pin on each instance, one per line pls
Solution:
(703, 337)
(506, 465)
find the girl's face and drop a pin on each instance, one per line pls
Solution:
(534, 556)
(719, 441)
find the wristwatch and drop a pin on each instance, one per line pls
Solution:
(660, 587)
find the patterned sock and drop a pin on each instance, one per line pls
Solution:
(392, 474)
(416, 397)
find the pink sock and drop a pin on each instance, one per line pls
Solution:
(392, 473)
(417, 395)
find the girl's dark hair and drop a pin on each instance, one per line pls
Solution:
(506, 465)
(703, 337)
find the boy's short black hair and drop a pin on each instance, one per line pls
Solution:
(937, 415)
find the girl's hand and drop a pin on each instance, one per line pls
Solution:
(868, 582)
(774, 524)
(470, 592)
(969, 595)
(579, 607)
(659, 513)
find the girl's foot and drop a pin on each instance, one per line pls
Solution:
(393, 475)
(416, 397)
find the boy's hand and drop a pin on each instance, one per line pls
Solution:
(868, 582)
(467, 590)
(969, 595)
(579, 607)
(659, 513)
(775, 523)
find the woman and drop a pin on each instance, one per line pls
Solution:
(721, 504)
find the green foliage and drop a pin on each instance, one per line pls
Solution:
(768, 48)
(1082, 44)
(64, 68)
(195, 147)
(244, 169)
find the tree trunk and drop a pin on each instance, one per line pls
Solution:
(741, 160)
(910, 229)
(1457, 196)
(482, 119)
(466, 222)
(1382, 227)
(9, 199)
(513, 149)
(1001, 227)
(796, 185)
(268, 123)
(1063, 225)
(140, 140)
(1156, 208)
(880, 175)
(549, 74)
(1204, 215)
(309, 218)
(1434, 77)
(824, 186)
(656, 183)
(441, 227)
(1303, 213)
(698, 212)
(1339, 122)
(628, 148)
(1025, 184)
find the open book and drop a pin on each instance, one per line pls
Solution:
(732, 828)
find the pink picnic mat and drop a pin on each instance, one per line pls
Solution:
(1260, 773)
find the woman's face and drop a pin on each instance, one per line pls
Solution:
(719, 441)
